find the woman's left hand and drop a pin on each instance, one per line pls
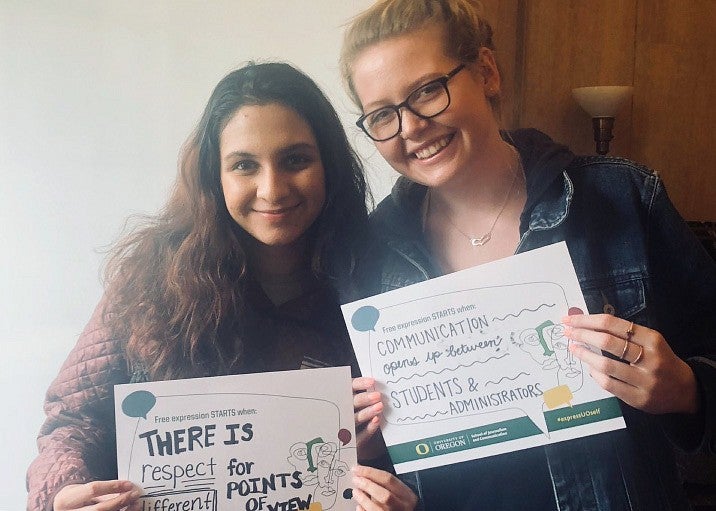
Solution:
(653, 379)
(367, 406)
(378, 490)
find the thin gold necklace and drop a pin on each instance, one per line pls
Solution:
(478, 241)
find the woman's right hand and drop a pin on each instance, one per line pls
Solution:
(367, 406)
(98, 496)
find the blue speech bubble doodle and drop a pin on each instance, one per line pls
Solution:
(138, 403)
(365, 318)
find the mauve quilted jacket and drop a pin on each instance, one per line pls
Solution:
(76, 443)
(77, 439)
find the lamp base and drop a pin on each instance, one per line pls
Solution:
(602, 133)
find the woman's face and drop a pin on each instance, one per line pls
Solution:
(271, 173)
(439, 150)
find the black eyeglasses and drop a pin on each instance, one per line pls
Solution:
(426, 101)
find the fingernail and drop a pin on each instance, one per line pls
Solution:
(125, 485)
(135, 494)
(566, 320)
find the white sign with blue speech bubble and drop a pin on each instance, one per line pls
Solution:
(270, 441)
(475, 363)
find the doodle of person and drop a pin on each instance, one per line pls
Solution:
(329, 468)
(320, 468)
(560, 344)
(532, 343)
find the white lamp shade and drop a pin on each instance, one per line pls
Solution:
(602, 101)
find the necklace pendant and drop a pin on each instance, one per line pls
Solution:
(482, 240)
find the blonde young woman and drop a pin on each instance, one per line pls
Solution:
(425, 76)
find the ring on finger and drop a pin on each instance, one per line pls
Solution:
(638, 357)
(630, 331)
(626, 348)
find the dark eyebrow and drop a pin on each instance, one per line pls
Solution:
(300, 146)
(238, 155)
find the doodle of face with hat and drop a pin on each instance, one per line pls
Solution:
(321, 467)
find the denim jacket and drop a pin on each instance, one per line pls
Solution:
(635, 258)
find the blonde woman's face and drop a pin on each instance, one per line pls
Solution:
(442, 149)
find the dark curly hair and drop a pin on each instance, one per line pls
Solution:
(176, 284)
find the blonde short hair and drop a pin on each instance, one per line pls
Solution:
(463, 20)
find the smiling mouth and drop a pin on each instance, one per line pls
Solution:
(276, 212)
(433, 148)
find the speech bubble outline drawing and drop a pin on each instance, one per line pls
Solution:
(184, 402)
(138, 403)
(505, 322)
(365, 318)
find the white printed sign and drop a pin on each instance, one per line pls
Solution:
(475, 363)
(270, 441)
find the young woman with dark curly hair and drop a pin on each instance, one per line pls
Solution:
(235, 275)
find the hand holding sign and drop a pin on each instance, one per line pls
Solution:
(449, 356)
(224, 441)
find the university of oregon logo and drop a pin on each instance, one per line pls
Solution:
(422, 449)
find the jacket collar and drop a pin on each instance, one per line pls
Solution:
(549, 189)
